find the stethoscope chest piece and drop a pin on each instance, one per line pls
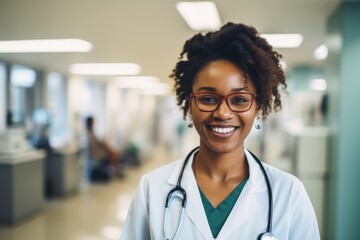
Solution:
(268, 236)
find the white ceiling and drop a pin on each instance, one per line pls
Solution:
(149, 32)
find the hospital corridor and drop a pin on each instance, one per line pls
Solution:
(96, 94)
(95, 212)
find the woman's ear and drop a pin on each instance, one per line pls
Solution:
(191, 123)
(258, 111)
(258, 114)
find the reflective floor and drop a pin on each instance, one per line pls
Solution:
(96, 212)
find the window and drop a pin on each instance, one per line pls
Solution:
(21, 101)
(3, 94)
(57, 109)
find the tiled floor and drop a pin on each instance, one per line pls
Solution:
(96, 212)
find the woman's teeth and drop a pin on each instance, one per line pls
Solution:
(223, 130)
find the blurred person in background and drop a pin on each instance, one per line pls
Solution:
(225, 81)
(105, 159)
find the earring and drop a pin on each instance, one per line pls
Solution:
(257, 124)
(191, 124)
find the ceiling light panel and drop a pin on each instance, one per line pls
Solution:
(200, 16)
(291, 40)
(146, 85)
(160, 88)
(135, 81)
(45, 45)
(105, 69)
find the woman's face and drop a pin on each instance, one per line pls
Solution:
(222, 130)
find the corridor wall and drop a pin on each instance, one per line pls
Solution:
(343, 74)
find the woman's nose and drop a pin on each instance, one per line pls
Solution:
(223, 112)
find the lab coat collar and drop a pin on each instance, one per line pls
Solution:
(256, 178)
(246, 204)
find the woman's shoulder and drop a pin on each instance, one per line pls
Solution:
(283, 179)
(274, 170)
(275, 174)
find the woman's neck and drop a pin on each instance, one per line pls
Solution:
(221, 167)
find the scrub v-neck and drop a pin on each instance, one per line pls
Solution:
(217, 216)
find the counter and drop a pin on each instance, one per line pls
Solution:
(63, 172)
(21, 184)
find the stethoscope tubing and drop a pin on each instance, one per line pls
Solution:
(267, 235)
(177, 188)
(269, 226)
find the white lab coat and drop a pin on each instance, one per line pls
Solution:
(293, 214)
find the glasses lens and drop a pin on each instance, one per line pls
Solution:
(240, 102)
(207, 102)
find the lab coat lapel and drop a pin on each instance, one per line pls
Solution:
(194, 208)
(247, 202)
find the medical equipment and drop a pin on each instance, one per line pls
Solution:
(14, 141)
(268, 235)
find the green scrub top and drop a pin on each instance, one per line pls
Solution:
(217, 216)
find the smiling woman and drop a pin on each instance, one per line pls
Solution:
(223, 81)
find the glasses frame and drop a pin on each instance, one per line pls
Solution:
(221, 98)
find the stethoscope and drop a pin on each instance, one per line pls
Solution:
(268, 235)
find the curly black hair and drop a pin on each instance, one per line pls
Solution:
(241, 45)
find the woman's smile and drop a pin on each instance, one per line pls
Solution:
(222, 131)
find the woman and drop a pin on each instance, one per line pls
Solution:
(224, 81)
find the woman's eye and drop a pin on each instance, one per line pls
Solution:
(208, 99)
(240, 100)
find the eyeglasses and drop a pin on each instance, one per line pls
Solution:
(237, 102)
